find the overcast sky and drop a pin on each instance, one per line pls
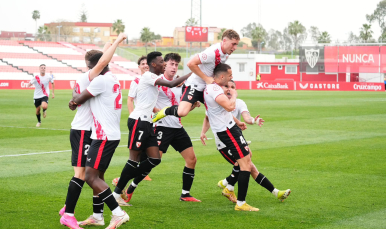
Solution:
(338, 17)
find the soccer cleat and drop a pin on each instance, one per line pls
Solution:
(229, 194)
(246, 207)
(147, 178)
(159, 115)
(117, 221)
(189, 199)
(249, 142)
(122, 202)
(45, 114)
(282, 195)
(128, 196)
(92, 221)
(61, 212)
(69, 221)
(220, 184)
(38, 124)
(115, 181)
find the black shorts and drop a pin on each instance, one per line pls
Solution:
(80, 145)
(235, 142)
(39, 101)
(178, 138)
(141, 134)
(100, 153)
(191, 95)
(226, 153)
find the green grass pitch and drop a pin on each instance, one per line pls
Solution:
(327, 147)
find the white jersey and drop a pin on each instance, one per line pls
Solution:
(240, 108)
(209, 58)
(83, 118)
(133, 89)
(219, 118)
(168, 97)
(106, 107)
(147, 94)
(42, 87)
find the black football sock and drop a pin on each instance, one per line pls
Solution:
(187, 181)
(97, 205)
(243, 185)
(108, 198)
(147, 165)
(131, 188)
(73, 193)
(38, 116)
(232, 179)
(173, 110)
(263, 181)
(129, 172)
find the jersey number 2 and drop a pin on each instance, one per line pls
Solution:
(118, 99)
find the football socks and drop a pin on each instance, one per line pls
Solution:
(38, 116)
(128, 173)
(243, 185)
(97, 207)
(187, 179)
(232, 179)
(108, 198)
(73, 193)
(263, 181)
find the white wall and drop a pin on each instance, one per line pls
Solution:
(371, 77)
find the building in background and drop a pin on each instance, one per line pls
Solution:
(7, 35)
(82, 32)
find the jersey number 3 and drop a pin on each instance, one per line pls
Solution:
(118, 99)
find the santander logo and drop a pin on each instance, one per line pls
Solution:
(357, 58)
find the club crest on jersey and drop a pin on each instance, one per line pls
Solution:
(216, 88)
(138, 144)
(159, 142)
(72, 83)
(246, 148)
(204, 56)
(190, 97)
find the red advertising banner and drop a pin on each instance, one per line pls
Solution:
(383, 59)
(339, 86)
(196, 34)
(352, 59)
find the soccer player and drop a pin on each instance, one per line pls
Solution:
(228, 183)
(42, 91)
(142, 136)
(105, 96)
(143, 67)
(225, 127)
(80, 138)
(170, 131)
(202, 66)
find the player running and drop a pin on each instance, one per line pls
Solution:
(42, 91)
(202, 66)
(224, 126)
(170, 131)
(142, 136)
(228, 183)
(105, 96)
(80, 138)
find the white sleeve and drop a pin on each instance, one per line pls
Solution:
(207, 56)
(243, 107)
(133, 89)
(216, 91)
(33, 80)
(97, 86)
(151, 78)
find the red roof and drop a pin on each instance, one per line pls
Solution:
(94, 24)
(8, 34)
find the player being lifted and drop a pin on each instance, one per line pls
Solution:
(42, 91)
(142, 136)
(223, 125)
(202, 66)
(80, 138)
(105, 96)
(170, 131)
(228, 183)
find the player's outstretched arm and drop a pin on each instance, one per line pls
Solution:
(79, 99)
(173, 83)
(193, 66)
(205, 128)
(106, 57)
(107, 46)
(251, 120)
(53, 90)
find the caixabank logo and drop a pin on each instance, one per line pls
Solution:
(274, 85)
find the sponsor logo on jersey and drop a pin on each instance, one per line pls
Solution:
(138, 144)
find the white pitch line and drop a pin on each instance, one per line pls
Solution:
(37, 128)
(61, 151)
